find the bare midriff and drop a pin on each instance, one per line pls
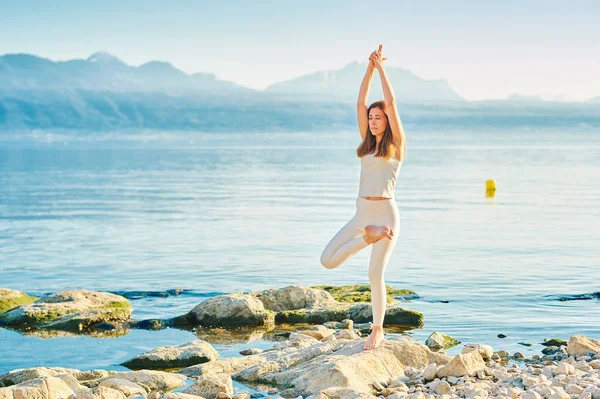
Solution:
(376, 198)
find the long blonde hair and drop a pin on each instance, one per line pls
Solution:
(386, 146)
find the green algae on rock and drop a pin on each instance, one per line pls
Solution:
(292, 304)
(555, 342)
(362, 293)
(76, 310)
(11, 299)
(395, 314)
(439, 341)
(338, 311)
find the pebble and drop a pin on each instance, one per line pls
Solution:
(564, 368)
(250, 351)
(442, 388)
(346, 324)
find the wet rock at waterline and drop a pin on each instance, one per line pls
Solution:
(362, 293)
(10, 299)
(291, 304)
(44, 382)
(338, 369)
(581, 345)
(169, 357)
(235, 309)
(76, 310)
(438, 341)
(345, 365)
(294, 297)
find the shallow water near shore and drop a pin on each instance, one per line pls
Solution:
(219, 213)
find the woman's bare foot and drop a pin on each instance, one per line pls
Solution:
(376, 337)
(376, 233)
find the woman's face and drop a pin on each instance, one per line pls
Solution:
(377, 121)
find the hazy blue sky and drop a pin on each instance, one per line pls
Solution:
(484, 49)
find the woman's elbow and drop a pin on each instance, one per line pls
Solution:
(390, 102)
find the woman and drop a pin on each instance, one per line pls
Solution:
(376, 220)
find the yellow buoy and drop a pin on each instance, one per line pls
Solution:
(490, 188)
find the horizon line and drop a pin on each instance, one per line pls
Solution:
(538, 96)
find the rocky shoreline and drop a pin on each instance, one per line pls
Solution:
(316, 360)
(332, 367)
(88, 312)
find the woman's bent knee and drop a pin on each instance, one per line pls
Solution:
(326, 262)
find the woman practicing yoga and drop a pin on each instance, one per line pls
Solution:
(376, 219)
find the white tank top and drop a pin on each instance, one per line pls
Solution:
(378, 176)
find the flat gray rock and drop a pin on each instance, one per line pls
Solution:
(167, 357)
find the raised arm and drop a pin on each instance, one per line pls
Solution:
(361, 104)
(390, 105)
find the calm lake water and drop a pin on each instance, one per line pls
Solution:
(220, 213)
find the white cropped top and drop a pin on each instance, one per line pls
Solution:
(378, 176)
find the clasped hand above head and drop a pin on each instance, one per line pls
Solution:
(375, 59)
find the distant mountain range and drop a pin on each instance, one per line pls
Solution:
(343, 84)
(102, 92)
(105, 72)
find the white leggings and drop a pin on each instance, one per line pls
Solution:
(349, 241)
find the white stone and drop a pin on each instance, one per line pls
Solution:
(463, 364)
(395, 395)
(572, 388)
(581, 345)
(595, 364)
(442, 388)
(485, 351)
(210, 385)
(564, 368)
(430, 372)
(125, 386)
(560, 394)
(531, 395)
(514, 392)
(530, 381)
(346, 334)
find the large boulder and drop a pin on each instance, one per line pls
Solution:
(19, 376)
(350, 366)
(291, 304)
(44, 387)
(167, 357)
(75, 310)
(235, 309)
(294, 297)
(581, 345)
(153, 380)
(236, 364)
(463, 364)
(10, 299)
(394, 314)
